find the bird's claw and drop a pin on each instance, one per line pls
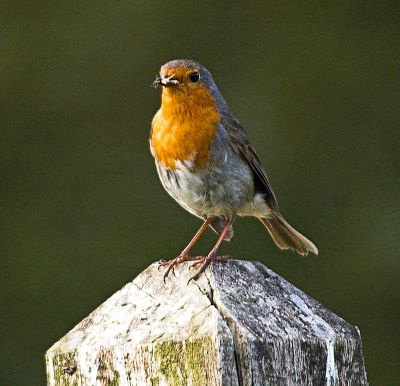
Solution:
(197, 260)
(161, 264)
(171, 264)
(206, 261)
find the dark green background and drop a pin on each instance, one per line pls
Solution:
(315, 83)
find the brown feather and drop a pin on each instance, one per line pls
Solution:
(286, 237)
(242, 146)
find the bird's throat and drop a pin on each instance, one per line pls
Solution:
(184, 127)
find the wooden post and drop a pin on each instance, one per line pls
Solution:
(239, 324)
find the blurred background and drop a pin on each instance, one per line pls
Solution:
(82, 211)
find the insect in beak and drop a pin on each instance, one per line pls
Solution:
(165, 81)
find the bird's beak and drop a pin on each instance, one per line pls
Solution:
(165, 81)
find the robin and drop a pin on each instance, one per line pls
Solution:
(206, 162)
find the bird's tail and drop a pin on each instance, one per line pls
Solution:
(285, 236)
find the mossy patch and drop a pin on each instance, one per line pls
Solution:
(179, 361)
(65, 368)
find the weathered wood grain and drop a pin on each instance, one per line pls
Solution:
(239, 324)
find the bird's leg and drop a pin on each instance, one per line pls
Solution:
(184, 256)
(212, 256)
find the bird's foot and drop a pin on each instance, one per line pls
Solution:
(171, 264)
(205, 261)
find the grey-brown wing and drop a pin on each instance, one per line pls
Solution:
(242, 146)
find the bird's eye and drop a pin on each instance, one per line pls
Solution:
(194, 77)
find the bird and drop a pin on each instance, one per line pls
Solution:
(206, 162)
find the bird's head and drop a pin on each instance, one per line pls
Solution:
(183, 78)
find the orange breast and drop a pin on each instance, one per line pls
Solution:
(184, 127)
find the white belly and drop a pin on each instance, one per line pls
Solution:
(216, 192)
